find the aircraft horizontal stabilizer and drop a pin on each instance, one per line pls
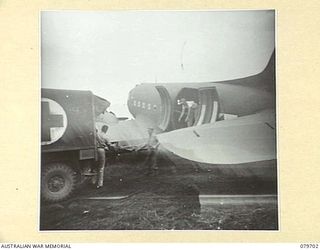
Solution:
(246, 139)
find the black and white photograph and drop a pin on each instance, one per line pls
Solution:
(158, 120)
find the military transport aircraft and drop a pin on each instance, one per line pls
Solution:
(234, 120)
(228, 126)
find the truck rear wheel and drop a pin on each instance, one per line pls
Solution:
(58, 182)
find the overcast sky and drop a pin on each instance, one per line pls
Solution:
(110, 52)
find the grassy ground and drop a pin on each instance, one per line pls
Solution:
(166, 200)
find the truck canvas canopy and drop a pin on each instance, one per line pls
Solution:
(100, 105)
(68, 119)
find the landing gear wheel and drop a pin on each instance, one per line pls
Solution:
(58, 182)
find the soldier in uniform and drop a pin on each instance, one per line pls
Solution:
(103, 143)
(152, 158)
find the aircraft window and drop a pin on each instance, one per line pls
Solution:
(134, 103)
(143, 105)
(149, 106)
(139, 104)
(154, 107)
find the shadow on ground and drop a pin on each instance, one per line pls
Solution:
(168, 199)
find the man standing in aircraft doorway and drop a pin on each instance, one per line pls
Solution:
(189, 107)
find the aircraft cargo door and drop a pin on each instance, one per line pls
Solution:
(166, 108)
(208, 106)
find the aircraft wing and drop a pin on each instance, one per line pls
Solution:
(246, 139)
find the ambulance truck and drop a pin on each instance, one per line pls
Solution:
(68, 140)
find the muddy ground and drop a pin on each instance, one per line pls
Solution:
(165, 199)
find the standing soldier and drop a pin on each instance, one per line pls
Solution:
(152, 157)
(103, 143)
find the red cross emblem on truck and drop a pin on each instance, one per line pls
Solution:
(53, 121)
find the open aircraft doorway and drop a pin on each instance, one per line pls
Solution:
(205, 109)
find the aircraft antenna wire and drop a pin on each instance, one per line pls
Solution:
(181, 55)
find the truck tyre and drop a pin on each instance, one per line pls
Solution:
(58, 181)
